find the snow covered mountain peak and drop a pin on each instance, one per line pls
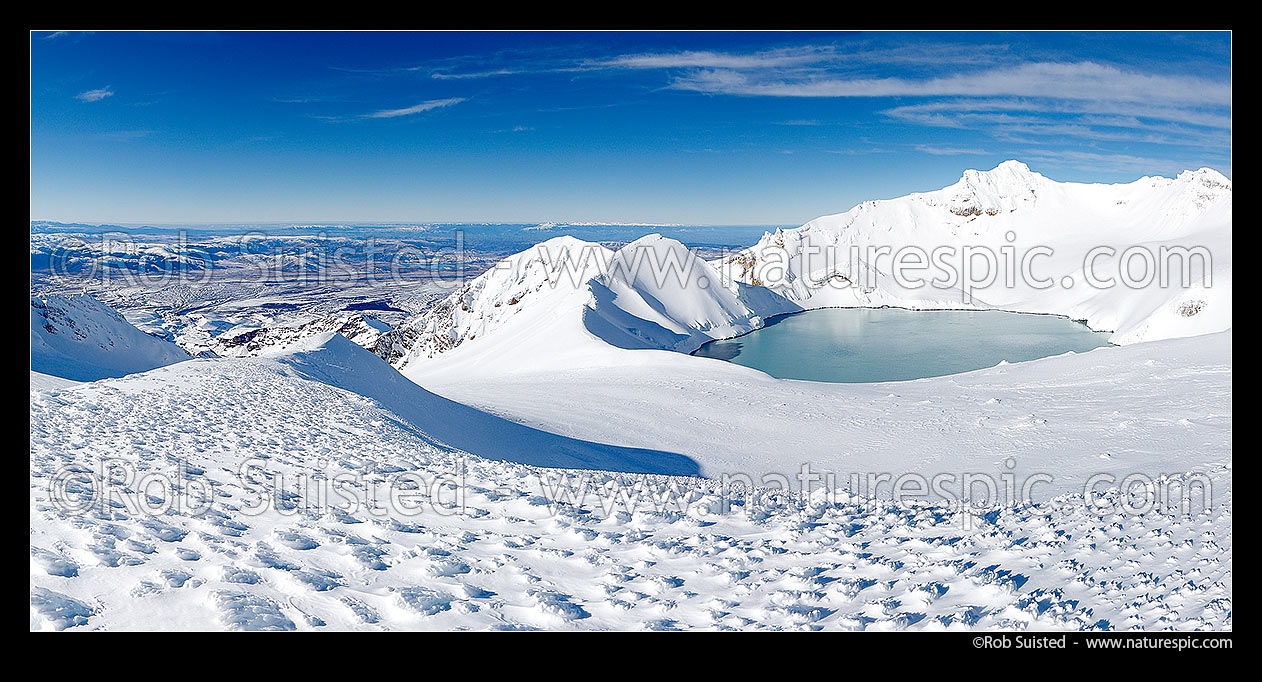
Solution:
(570, 302)
(1003, 189)
(653, 257)
(1206, 176)
(1012, 204)
(1013, 166)
(1011, 172)
(1205, 186)
(1193, 192)
(657, 294)
(653, 238)
(557, 267)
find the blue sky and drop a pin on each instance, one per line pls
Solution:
(697, 128)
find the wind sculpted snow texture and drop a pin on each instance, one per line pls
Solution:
(512, 557)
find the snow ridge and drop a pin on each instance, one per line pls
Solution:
(82, 339)
(565, 299)
(552, 270)
(829, 261)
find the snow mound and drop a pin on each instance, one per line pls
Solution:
(333, 360)
(82, 339)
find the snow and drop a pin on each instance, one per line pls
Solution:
(459, 426)
(513, 557)
(1016, 207)
(568, 462)
(82, 339)
(1157, 407)
(41, 381)
(567, 303)
(656, 294)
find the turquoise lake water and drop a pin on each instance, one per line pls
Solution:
(851, 345)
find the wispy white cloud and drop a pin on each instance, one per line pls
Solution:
(949, 112)
(1004, 94)
(442, 75)
(705, 59)
(1055, 80)
(95, 95)
(1082, 100)
(807, 57)
(1096, 161)
(74, 36)
(1022, 119)
(416, 108)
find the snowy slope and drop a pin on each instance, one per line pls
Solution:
(1157, 407)
(42, 382)
(82, 339)
(656, 294)
(332, 359)
(567, 303)
(550, 276)
(830, 260)
(518, 551)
